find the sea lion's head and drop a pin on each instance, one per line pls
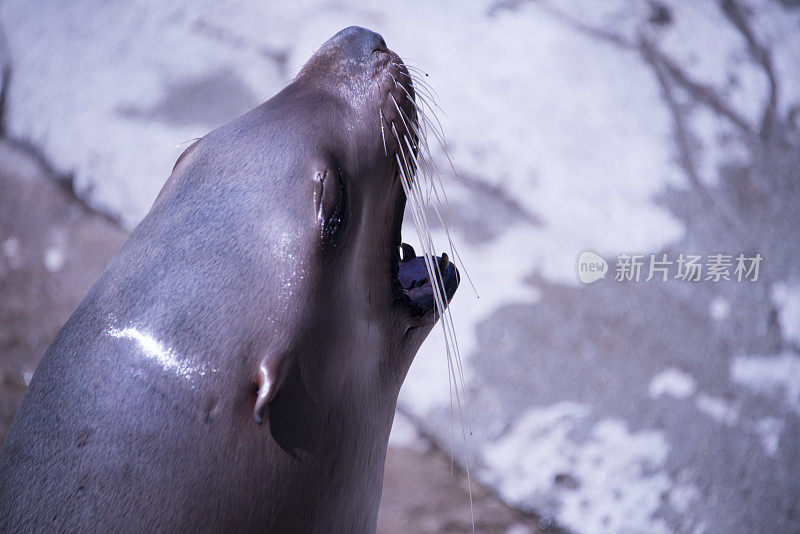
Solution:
(316, 181)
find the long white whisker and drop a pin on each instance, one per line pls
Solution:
(383, 135)
(421, 180)
(429, 160)
(437, 284)
(443, 303)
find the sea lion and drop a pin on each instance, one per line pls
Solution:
(237, 364)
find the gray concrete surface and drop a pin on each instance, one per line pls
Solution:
(622, 127)
(51, 251)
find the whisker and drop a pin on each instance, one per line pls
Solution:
(424, 90)
(421, 179)
(438, 209)
(421, 113)
(441, 307)
(383, 135)
(448, 326)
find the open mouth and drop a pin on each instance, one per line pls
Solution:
(419, 281)
(413, 285)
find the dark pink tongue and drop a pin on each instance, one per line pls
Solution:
(413, 274)
(416, 283)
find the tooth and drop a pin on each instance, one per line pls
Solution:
(408, 252)
(443, 262)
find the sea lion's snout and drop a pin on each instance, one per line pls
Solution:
(356, 41)
(349, 52)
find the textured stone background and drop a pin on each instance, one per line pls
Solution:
(627, 126)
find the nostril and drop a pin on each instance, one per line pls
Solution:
(381, 47)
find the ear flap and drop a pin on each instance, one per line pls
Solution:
(184, 154)
(170, 183)
(330, 203)
(271, 373)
